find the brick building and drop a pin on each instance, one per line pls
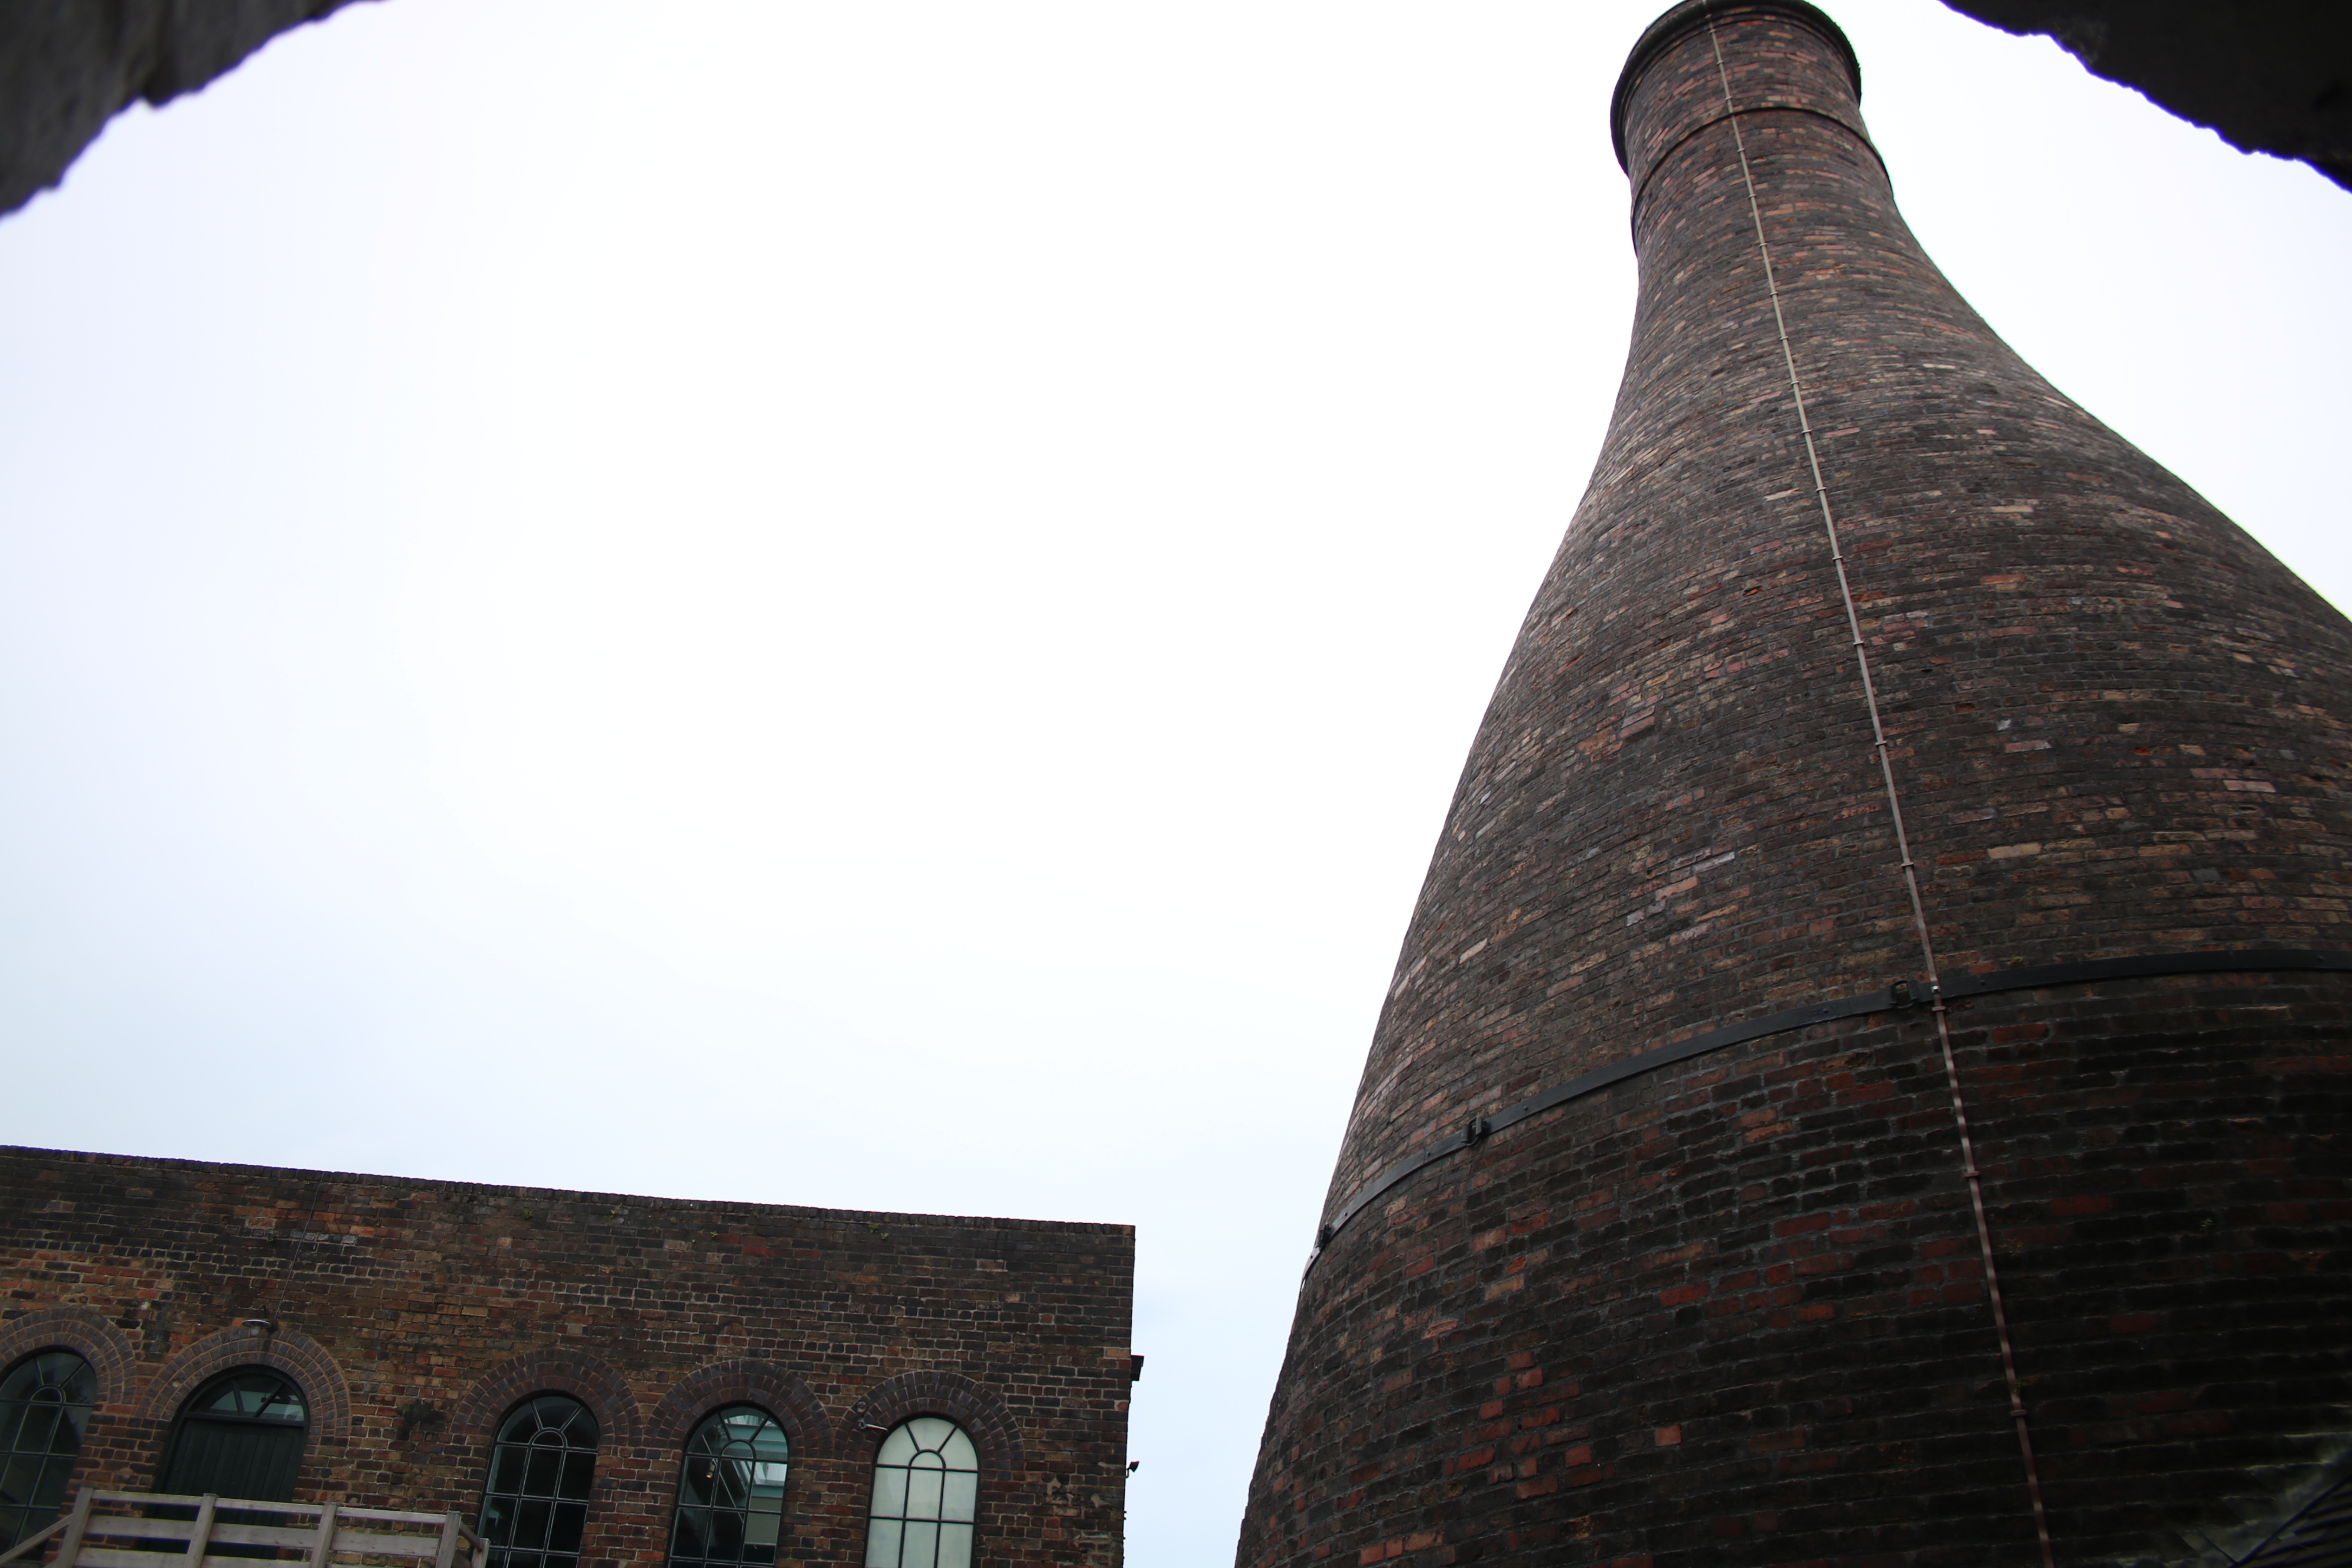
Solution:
(1865, 1080)
(591, 1378)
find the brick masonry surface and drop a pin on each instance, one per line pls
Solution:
(416, 1314)
(1731, 1311)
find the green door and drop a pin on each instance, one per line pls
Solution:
(240, 1436)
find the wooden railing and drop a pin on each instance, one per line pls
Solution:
(322, 1534)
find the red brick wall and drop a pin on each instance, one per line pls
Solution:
(453, 1302)
(1730, 1310)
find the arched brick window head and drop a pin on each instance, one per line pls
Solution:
(45, 1405)
(926, 1496)
(730, 1494)
(535, 1506)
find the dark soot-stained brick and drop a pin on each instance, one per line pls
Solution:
(1734, 1310)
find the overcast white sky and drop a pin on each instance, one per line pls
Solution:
(877, 605)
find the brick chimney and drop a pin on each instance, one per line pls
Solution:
(1908, 836)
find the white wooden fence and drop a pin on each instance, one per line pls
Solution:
(114, 1530)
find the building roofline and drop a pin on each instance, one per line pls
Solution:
(639, 1200)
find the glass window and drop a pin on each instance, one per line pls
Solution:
(240, 1435)
(536, 1504)
(45, 1403)
(730, 1495)
(925, 1492)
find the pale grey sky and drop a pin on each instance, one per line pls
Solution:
(877, 605)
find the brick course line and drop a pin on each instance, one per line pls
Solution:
(1690, 137)
(1894, 815)
(2255, 961)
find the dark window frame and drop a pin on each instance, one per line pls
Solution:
(727, 1531)
(19, 1519)
(541, 1481)
(900, 1545)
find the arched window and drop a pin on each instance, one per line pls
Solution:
(536, 1504)
(730, 1495)
(45, 1403)
(240, 1435)
(926, 1493)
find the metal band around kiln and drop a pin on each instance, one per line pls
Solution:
(1903, 994)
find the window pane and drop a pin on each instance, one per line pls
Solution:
(955, 1546)
(21, 1475)
(890, 1492)
(963, 1498)
(922, 1547)
(923, 1494)
(570, 1520)
(882, 1543)
(254, 1396)
(690, 1535)
(579, 1426)
(37, 1427)
(73, 1421)
(727, 1534)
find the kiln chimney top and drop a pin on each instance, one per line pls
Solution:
(1693, 14)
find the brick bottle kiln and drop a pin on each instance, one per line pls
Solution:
(1906, 838)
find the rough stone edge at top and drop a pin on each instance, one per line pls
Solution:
(68, 67)
(2274, 78)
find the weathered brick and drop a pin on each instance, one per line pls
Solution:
(414, 1315)
(2119, 728)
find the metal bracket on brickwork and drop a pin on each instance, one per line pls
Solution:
(1895, 997)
